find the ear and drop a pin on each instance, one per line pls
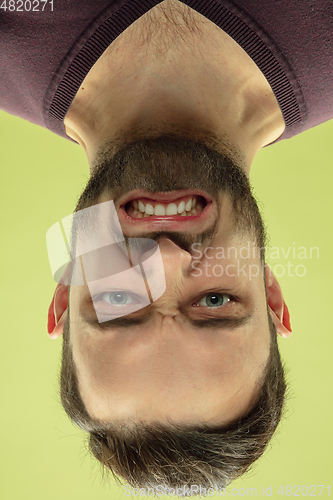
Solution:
(277, 306)
(58, 312)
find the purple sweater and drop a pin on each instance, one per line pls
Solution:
(45, 55)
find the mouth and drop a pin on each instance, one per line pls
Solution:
(185, 206)
(172, 210)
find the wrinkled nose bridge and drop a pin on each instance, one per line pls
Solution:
(175, 259)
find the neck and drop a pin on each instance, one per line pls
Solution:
(205, 81)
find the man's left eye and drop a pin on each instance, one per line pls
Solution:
(118, 298)
(214, 300)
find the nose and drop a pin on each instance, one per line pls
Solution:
(176, 261)
(165, 272)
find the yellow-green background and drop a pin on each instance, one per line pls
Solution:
(43, 456)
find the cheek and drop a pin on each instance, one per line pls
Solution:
(243, 351)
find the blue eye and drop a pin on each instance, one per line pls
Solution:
(214, 300)
(119, 298)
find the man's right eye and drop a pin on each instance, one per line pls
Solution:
(117, 303)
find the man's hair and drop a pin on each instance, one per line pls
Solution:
(170, 455)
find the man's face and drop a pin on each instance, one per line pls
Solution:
(197, 354)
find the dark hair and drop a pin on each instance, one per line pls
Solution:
(152, 455)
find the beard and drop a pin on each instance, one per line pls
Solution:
(171, 162)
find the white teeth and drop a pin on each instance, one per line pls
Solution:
(141, 206)
(192, 207)
(188, 205)
(171, 209)
(159, 210)
(149, 209)
(181, 207)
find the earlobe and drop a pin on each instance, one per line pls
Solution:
(57, 312)
(277, 307)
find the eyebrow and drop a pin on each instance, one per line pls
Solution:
(125, 321)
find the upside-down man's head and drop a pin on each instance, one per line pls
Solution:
(189, 389)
